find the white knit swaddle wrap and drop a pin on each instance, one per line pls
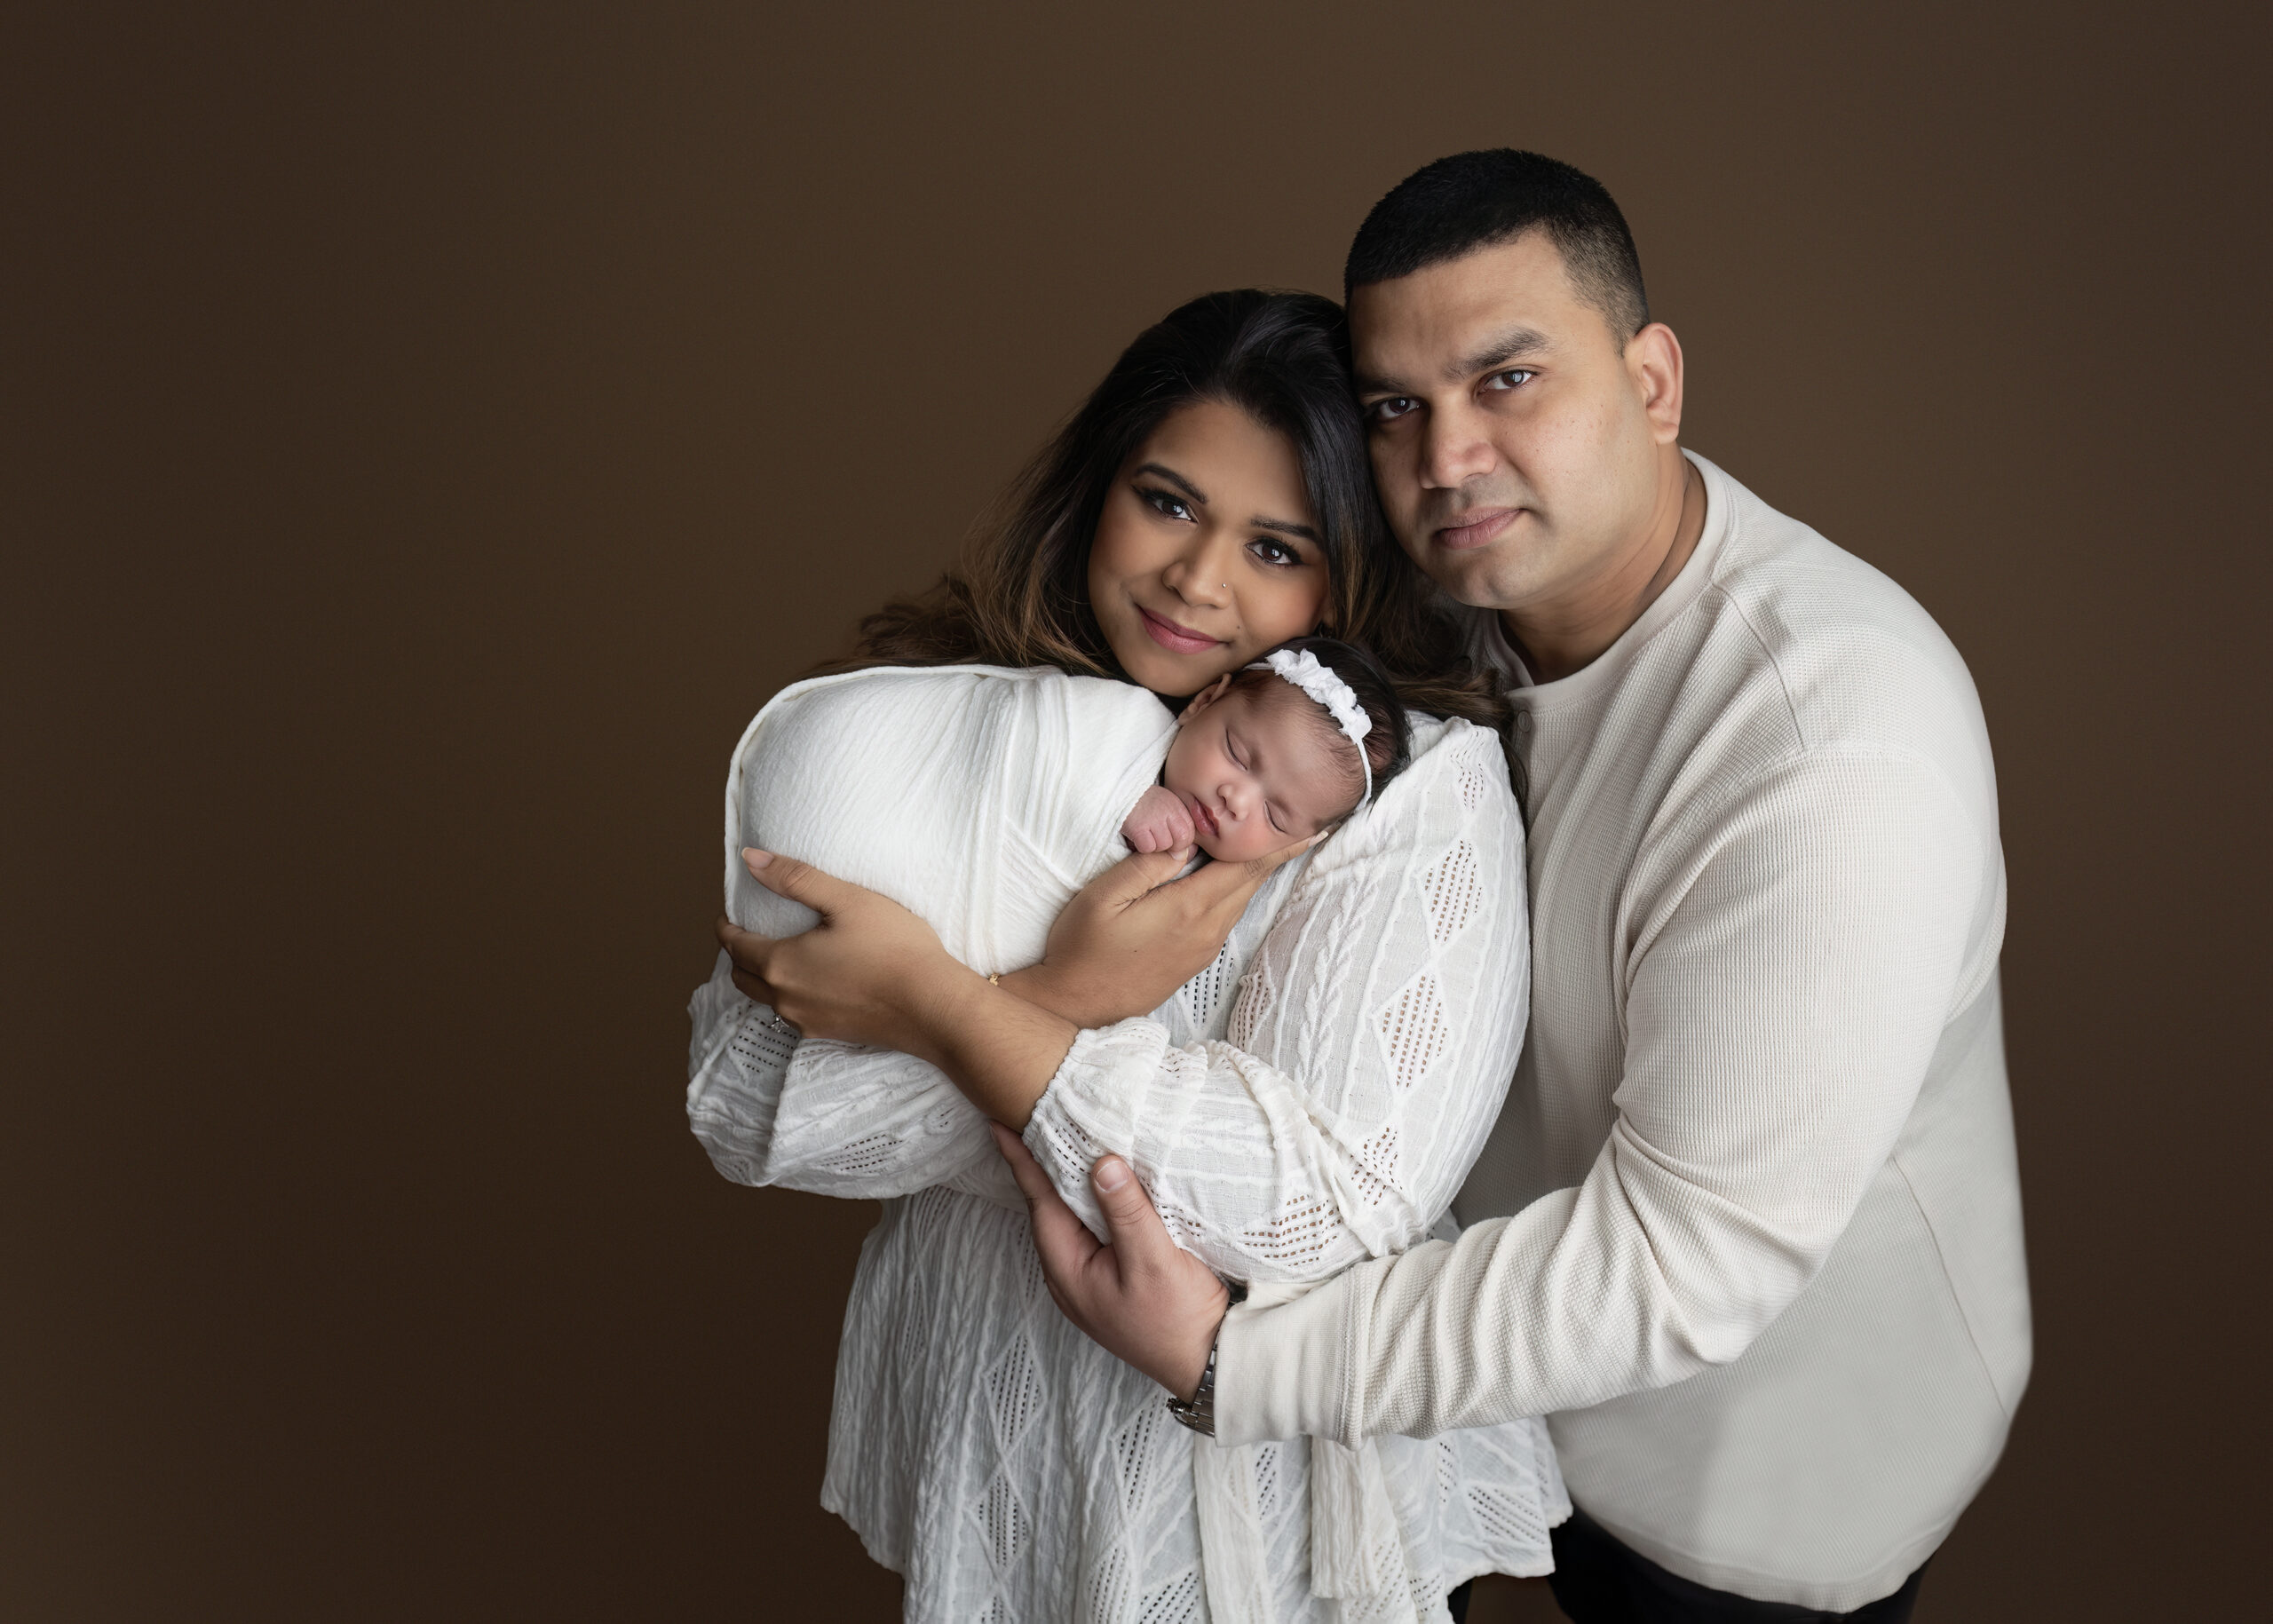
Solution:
(905, 780)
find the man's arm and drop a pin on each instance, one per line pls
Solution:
(1783, 1008)
(1139, 1295)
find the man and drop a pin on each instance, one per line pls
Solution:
(1749, 1227)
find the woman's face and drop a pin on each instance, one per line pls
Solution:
(1207, 553)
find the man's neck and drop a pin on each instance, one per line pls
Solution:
(1571, 634)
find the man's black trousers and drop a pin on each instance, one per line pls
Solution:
(1598, 1580)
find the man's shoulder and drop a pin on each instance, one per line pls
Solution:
(1856, 659)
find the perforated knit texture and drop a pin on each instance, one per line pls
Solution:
(990, 1452)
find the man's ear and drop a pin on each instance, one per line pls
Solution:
(1653, 362)
(1206, 697)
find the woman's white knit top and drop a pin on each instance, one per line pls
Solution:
(1749, 1226)
(1312, 1100)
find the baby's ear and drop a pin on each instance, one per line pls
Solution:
(1206, 697)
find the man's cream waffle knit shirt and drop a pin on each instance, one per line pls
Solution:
(1749, 1226)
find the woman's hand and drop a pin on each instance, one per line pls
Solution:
(872, 972)
(869, 972)
(1136, 933)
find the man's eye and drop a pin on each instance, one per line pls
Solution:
(1163, 502)
(1395, 406)
(1515, 377)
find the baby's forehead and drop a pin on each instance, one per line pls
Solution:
(1266, 700)
(1305, 738)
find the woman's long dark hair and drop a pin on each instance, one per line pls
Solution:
(1021, 596)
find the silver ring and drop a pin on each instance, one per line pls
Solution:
(783, 1027)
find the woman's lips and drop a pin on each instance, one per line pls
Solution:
(1177, 640)
(1476, 528)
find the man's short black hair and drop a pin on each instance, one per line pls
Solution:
(1476, 199)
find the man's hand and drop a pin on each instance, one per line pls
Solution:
(1142, 1298)
(1136, 933)
(1159, 823)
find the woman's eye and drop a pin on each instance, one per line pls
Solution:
(1273, 551)
(1396, 406)
(1165, 504)
(1515, 377)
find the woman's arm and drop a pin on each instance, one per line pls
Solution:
(824, 1117)
(872, 972)
(1376, 1037)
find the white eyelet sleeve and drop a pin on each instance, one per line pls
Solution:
(833, 1119)
(1373, 1040)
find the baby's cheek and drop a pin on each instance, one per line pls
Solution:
(1245, 845)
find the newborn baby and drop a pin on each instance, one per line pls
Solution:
(1269, 755)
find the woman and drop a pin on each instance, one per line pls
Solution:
(1210, 500)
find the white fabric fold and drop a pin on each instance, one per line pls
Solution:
(1358, 1555)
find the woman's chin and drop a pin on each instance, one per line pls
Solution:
(1169, 674)
(1169, 678)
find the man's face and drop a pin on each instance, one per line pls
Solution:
(1513, 437)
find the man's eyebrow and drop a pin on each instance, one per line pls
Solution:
(1513, 344)
(1177, 479)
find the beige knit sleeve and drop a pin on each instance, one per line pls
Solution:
(1792, 961)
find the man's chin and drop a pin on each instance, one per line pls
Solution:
(1470, 578)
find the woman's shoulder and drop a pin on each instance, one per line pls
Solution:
(1450, 753)
(1454, 788)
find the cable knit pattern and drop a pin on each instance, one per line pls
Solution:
(1008, 1467)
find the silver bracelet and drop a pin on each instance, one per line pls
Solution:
(1200, 1414)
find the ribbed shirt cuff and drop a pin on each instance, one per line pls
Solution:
(1281, 1370)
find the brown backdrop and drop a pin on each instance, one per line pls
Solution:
(430, 438)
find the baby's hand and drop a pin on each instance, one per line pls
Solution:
(1160, 822)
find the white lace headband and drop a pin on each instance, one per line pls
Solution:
(1323, 683)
